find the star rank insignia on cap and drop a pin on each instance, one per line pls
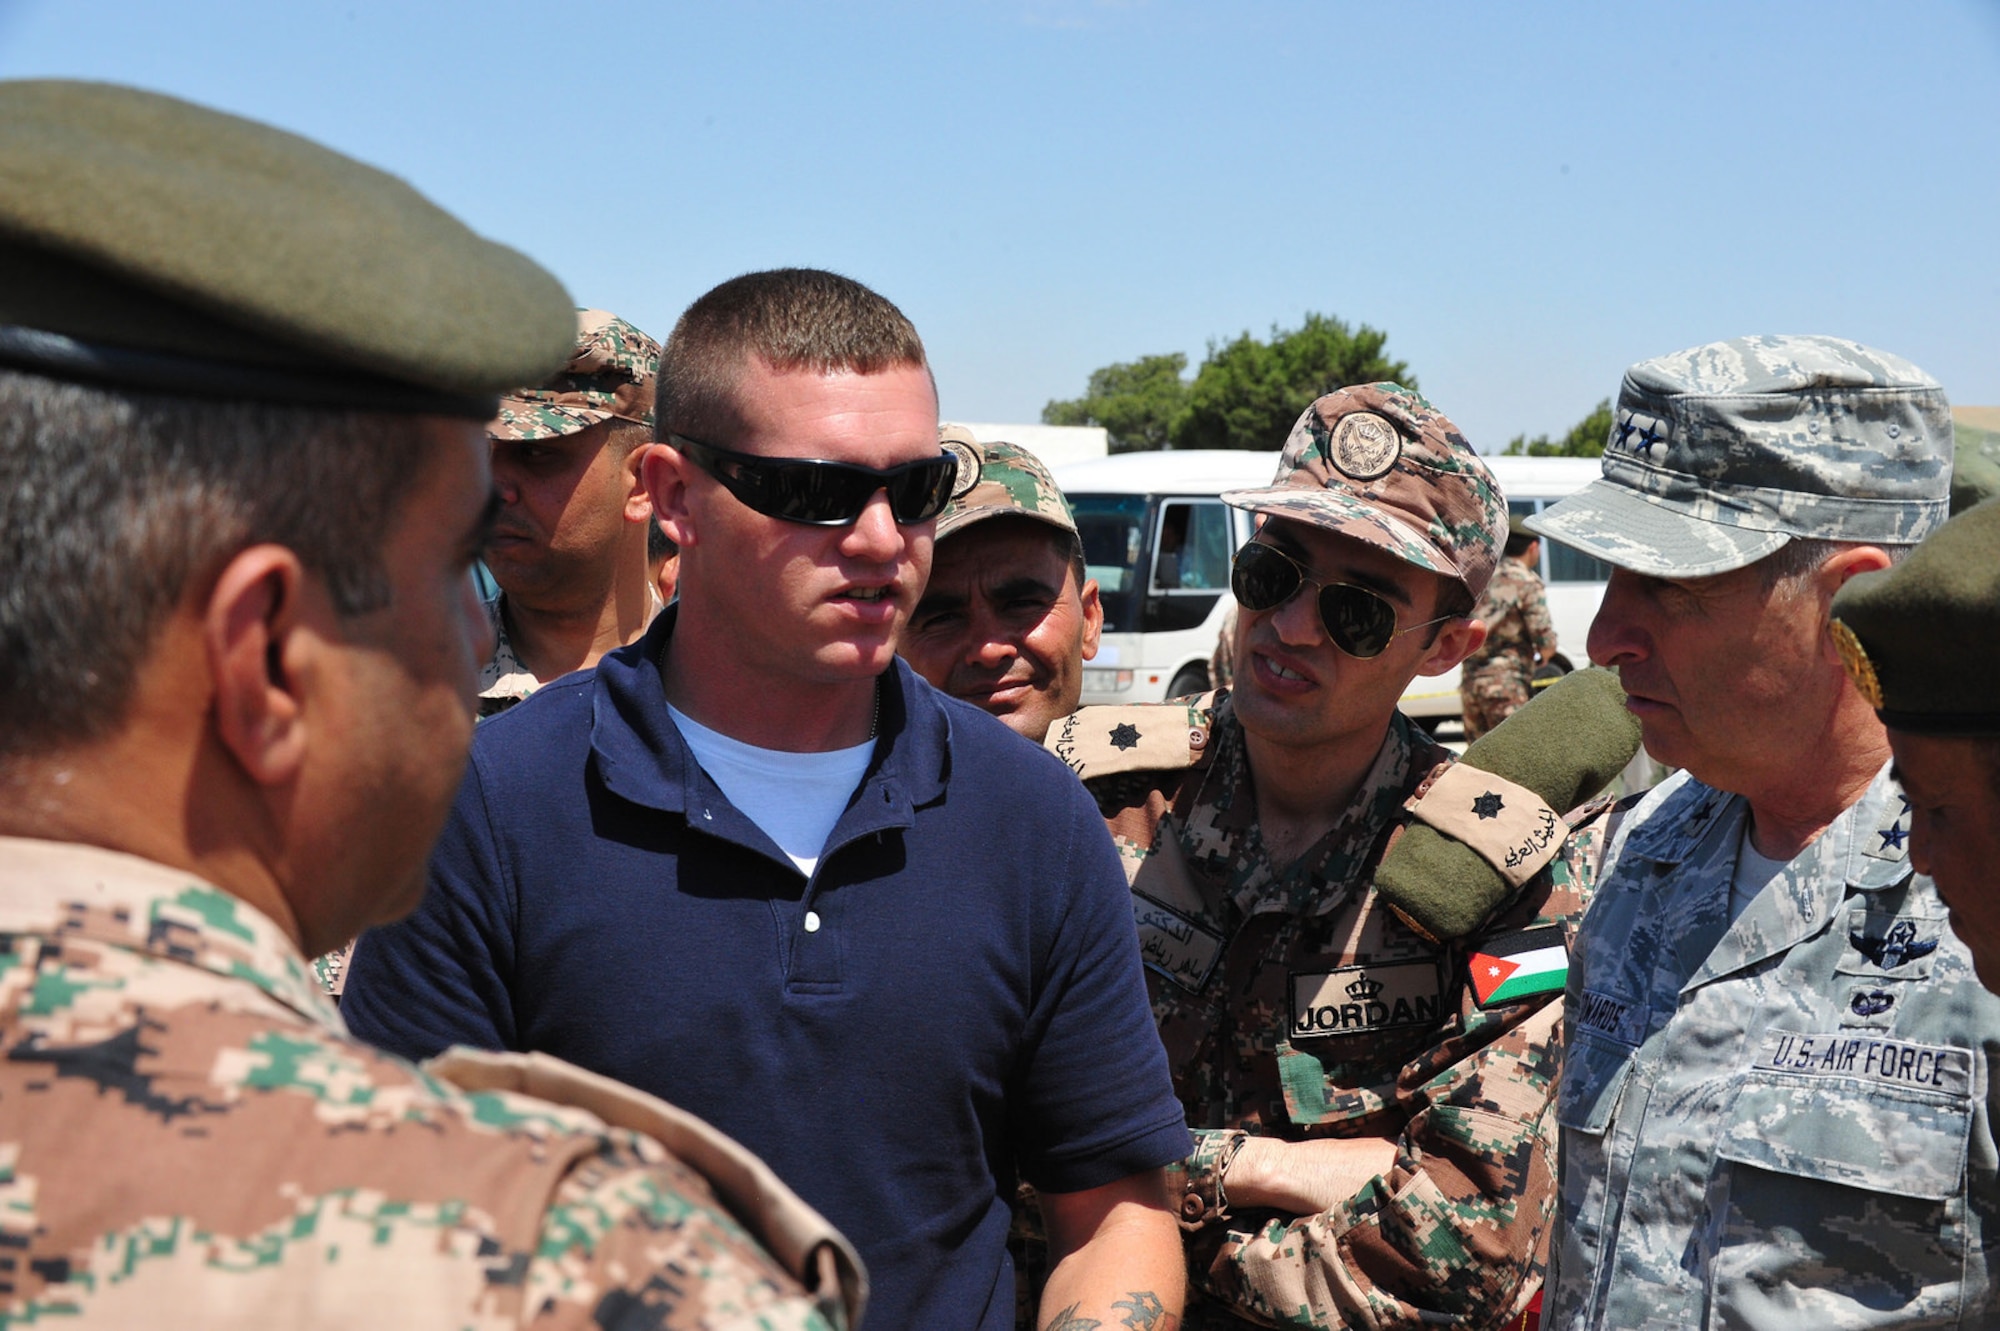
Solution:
(1124, 736)
(1488, 805)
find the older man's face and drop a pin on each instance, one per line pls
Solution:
(1955, 834)
(1003, 624)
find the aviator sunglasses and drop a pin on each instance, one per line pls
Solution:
(1361, 622)
(830, 494)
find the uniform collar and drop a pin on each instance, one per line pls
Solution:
(64, 889)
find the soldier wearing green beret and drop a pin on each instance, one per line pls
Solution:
(1009, 614)
(242, 482)
(1919, 641)
(572, 544)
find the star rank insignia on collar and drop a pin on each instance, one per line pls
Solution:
(1125, 736)
(1488, 805)
(1893, 836)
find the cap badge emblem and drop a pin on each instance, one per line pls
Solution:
(1364, 446)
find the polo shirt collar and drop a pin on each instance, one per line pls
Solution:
(641, 757)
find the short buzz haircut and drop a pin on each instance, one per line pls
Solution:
(113, 503)
(790, 318)
(1518, 543)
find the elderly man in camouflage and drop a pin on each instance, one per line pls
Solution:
(1498, 678)
(1008, 616)
(242, 475)
(1777, 1108)
(570, 547)
(1373, 1145)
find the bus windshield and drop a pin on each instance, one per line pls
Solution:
(1113, 528)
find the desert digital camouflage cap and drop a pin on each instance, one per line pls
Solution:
(1920, 639)
(1720, 454)
(148, 243)
(1012, 483)
(1380, 464)
(609, 376)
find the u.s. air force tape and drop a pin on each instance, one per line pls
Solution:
(1508, 826)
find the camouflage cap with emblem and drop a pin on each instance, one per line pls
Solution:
(1720, 454)
(1012, 483)
(1380, 464)
(147, 243)
(1920, 639)
(610, 376)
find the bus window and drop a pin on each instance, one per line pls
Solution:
(1112, 528)
(1194, 547)
(1569, 564)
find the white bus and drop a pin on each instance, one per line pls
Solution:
(1158, 539)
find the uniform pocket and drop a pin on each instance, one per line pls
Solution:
(1842, 1198)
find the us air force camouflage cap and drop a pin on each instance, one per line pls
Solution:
(1920, 639)
(1012, 483)
(147, 243)
(1720, 454)
(610, 376)
(1380, 464)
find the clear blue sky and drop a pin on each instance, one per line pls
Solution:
(1528, 197)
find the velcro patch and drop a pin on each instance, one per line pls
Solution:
(1175, 946)
(1352, 1000)
(1868, 1058)
(1519, 965)
(1507, 825)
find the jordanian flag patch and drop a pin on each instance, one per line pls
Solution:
(1520, 965)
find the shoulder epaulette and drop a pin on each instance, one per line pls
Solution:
(1134, 737)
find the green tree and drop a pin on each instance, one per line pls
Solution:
(1248, 394)
(1585, 439)
(1135, 402)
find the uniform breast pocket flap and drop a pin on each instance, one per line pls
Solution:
(1595, 1071)
(1863, 1111)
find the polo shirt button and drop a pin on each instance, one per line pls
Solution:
(812, 921)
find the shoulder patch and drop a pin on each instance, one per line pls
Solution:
(1137, 737)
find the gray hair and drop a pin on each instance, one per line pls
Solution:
(1801, 557)
(113, 503)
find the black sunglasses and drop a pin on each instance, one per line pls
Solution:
(1361, 622)
(818, 493)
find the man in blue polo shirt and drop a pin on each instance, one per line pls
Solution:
(755, 865)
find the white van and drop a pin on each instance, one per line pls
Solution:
(1158, 539)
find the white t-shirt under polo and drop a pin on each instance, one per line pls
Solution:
(796, 798)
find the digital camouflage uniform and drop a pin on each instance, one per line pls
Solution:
(1784, 1121)
(1809, 1091)
(189, 1137)
(1496, 678)
(1293, 1003)
(503, 680)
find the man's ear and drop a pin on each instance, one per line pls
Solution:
(252, 613)
(638, 504)
(664, 472)
(1458, 639)
(1093, 618)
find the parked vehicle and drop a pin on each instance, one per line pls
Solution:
(1158, 539)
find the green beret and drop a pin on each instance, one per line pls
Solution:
(1920, 639)
(1975, 476)
(152, 244)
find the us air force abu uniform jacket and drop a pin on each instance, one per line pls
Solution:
(1784, 1122)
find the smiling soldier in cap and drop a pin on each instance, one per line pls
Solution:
(1920, 640)
(1009, 615)
(1777, 1105)
(242, 483)
(1370, 1093)
(570, 547)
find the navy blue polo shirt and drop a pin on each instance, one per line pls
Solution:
(954, 998)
